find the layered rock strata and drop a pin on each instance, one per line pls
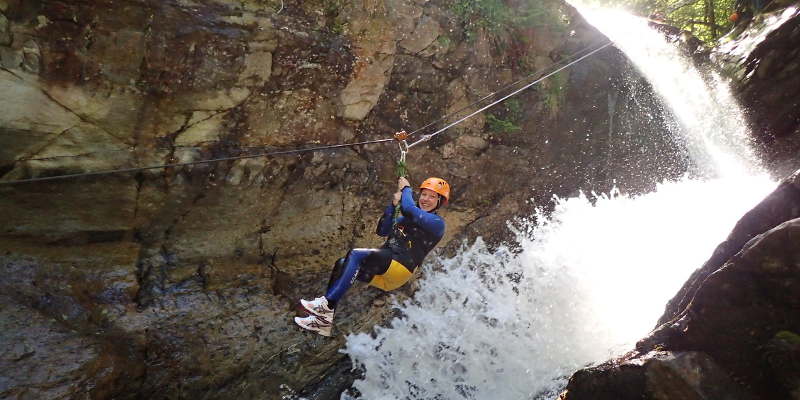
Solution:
(182, 281)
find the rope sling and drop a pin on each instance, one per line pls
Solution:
(401, 168)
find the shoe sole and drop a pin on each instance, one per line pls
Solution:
(312, 329)
(314, 313)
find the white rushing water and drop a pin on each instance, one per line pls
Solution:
(592, 277)
(708, 118)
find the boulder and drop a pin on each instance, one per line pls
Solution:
(658, 375)
(761, 57)
(425, 33)
(374, 48)
(781, 205)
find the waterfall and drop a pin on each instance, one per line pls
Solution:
(708, 119)
(589, 279)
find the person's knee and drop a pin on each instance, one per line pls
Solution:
(364, 275)
(338, 266)
(338, 270)
(359, 253)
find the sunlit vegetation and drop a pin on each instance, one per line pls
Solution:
(708, 20)
(495, 16)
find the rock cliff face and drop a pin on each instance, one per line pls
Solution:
(181, 281)
(763, 56)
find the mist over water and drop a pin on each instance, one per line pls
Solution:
(592, 281)
(592, 276)
(709, 121)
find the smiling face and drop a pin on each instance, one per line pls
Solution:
(428, 200)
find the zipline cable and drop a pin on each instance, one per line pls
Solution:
(510, 85)
(428, 125)
(50, 158)
(425, 138)
(319, 148)
(124, 170)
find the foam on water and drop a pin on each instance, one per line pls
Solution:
(591, 278)
(513, 326)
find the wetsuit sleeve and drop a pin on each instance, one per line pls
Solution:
(425, 220)
(385, 223)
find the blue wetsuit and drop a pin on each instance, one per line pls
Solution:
(408, 241)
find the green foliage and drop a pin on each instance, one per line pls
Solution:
(495, 16)
(331, 10)
(337, 27)
(788, 337)
(507, 118)
(513, 108)
(708, 20)
(488, 14)
(533, 13)
(499, 125)
(554, 89)
(331, 7)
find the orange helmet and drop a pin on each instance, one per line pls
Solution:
(438, 185)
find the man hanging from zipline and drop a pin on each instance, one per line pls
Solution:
(410, 237)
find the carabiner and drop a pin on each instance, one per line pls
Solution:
(401, 137)
(403, 150)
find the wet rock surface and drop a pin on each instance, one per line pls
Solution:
(182, 281)
(762, 56)
(783, 204)
(658, 375)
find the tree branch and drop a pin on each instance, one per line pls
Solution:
(695, 22)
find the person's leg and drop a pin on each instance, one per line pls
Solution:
(320, 306)
(338, 269)
(361, 264)
(376, 263)
(348, 275)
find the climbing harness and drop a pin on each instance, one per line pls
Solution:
(404, 146)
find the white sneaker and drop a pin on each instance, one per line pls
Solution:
(319, 307)
(314, 324)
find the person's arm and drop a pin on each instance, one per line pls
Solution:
(427, 221)
(385, 223)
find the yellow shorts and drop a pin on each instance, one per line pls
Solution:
(397, 275)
